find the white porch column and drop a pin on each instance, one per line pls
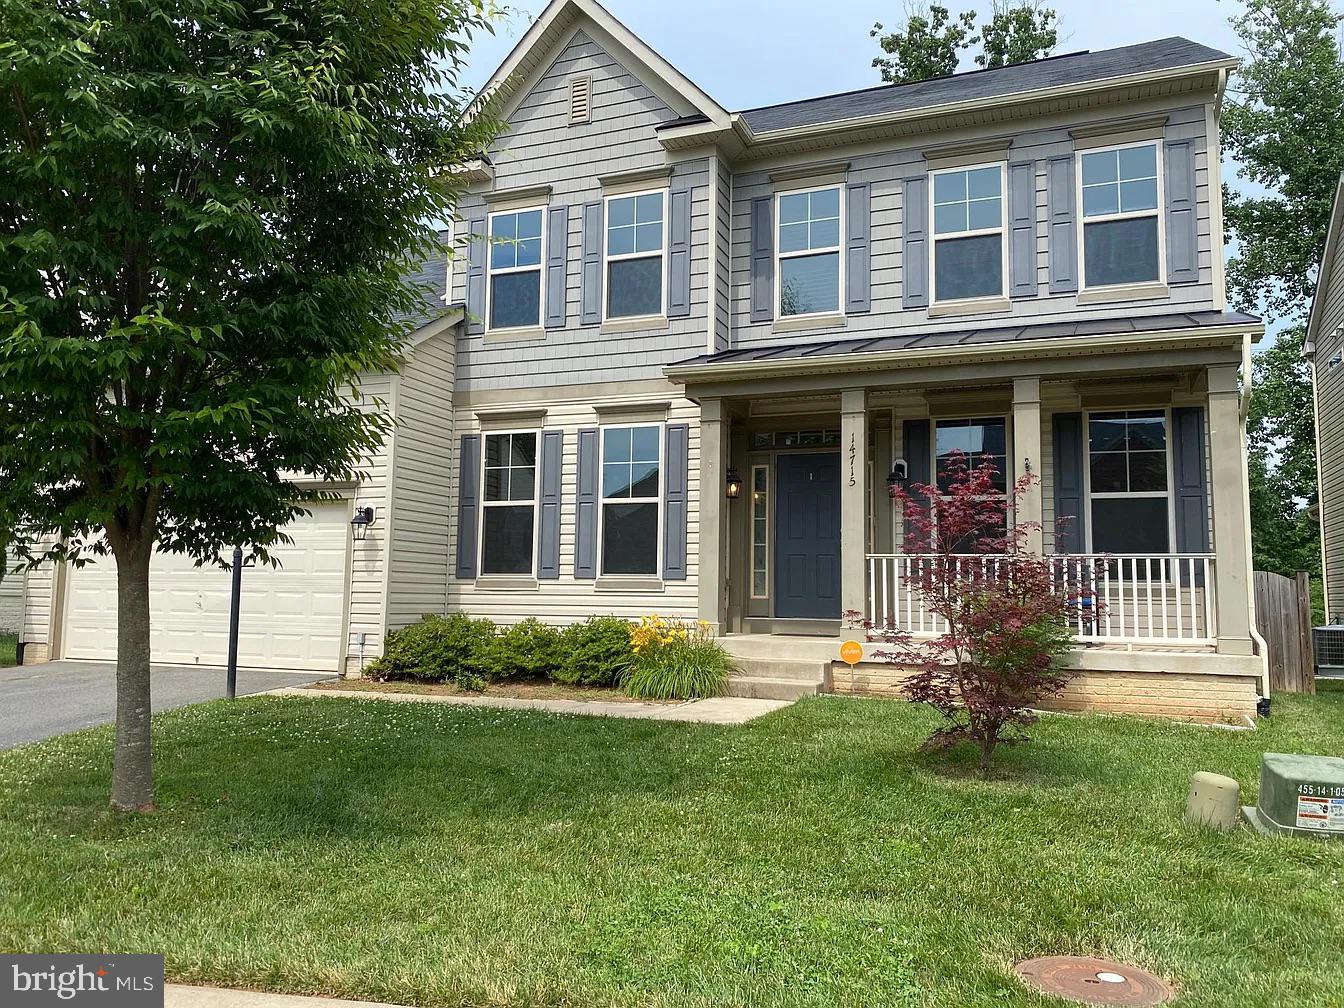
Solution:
(1231, 535)
(853, 501)
(1026, 456)
(713, 539)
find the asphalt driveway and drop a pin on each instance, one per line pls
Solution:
(39, 701)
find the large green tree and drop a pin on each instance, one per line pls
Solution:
(929, 40)
(1283, 128)
(206, 210)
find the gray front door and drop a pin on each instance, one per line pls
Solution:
(807, 536)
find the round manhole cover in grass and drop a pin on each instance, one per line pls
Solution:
(1095, 981)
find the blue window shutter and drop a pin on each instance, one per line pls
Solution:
(476, 253)
(590, 285)
(858, 267)
(1191, 479)
(548, 527)
(585, 512)
(468, 505)
(1022, 229)
(1070, 515)
(1063, 241)
(919, 464)
(557, 246)
(915, 243)
(675, 502)
(1182, 214)
(679, 253)
(762, 259)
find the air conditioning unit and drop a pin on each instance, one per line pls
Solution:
(1329, 644)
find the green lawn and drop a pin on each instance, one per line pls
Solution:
(443, 856)
(9, 649)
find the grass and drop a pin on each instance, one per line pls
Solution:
(508, 690)
(9, 649)
(434, 855)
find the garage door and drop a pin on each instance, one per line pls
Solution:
(291, 616)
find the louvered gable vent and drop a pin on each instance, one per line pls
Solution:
(580, 100)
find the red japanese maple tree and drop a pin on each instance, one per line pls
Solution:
(1004, 615)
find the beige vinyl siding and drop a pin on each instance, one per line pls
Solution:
(418, 577)
(368, 557)
(11, 601)
(1330, 436)
(885, 173)
(567, 599)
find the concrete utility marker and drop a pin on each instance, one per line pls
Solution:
(178, 996)
(715, 710)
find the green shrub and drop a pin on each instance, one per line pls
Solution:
(679, 670)
(526, 650)
(437, 649)
(595, 652)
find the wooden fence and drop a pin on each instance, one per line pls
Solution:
(1283, 617)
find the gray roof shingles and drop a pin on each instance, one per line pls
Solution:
(966, 337)
(1054, 71)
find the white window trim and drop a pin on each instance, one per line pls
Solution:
(1132, 215)
(608, 258)
(536, 502)
(1001, 231)
(603, 500)
(838, 249)
(751, 559)
(490, 271)
(1169, 494)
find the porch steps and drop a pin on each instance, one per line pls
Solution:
(776, 679)
(776, 647)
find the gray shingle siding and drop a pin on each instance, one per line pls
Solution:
(1071, 68)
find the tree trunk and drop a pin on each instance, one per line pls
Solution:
(132, 785)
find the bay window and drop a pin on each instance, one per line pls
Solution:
(631, 471)
(635, 243)
(808, 250)
(1122, 228)
(968, 246)
(1129, 482)
(515, 269)
(509, 503)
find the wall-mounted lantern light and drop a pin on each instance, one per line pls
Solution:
(361, 521)
(900, 472)
(733, 488)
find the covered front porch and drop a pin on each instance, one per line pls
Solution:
(1139, 455)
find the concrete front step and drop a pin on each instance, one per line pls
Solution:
(779, 668)
(763, 688)
(783, 648)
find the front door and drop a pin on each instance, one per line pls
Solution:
(807, 536)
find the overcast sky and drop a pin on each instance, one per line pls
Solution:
(802, 49)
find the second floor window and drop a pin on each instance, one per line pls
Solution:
(510, 503)
(809, 252)
(968, 233)
(515, 269)
(630, 499)
(1121, 224)
(635, 272)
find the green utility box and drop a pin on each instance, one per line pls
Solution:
(1300, 796)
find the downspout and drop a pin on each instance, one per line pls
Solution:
(1261, 648)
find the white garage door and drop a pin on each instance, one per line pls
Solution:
(291, 616)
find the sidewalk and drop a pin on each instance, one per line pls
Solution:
(716, 710)
(178, 996)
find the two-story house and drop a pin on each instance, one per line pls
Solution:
(684, 351)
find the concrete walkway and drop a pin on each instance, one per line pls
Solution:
(716, 710)
(177, 996)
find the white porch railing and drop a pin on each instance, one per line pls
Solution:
(1128, 598)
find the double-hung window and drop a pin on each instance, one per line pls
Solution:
(978, 440)
(631, 475)
(515, 269)
(1128, 482)
(635, 243)
(968, 246)
(510, 503)
(1122, 228)
(808, 245)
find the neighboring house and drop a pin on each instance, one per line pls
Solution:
(1324, 349)
(657, 294)
(11, 603)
